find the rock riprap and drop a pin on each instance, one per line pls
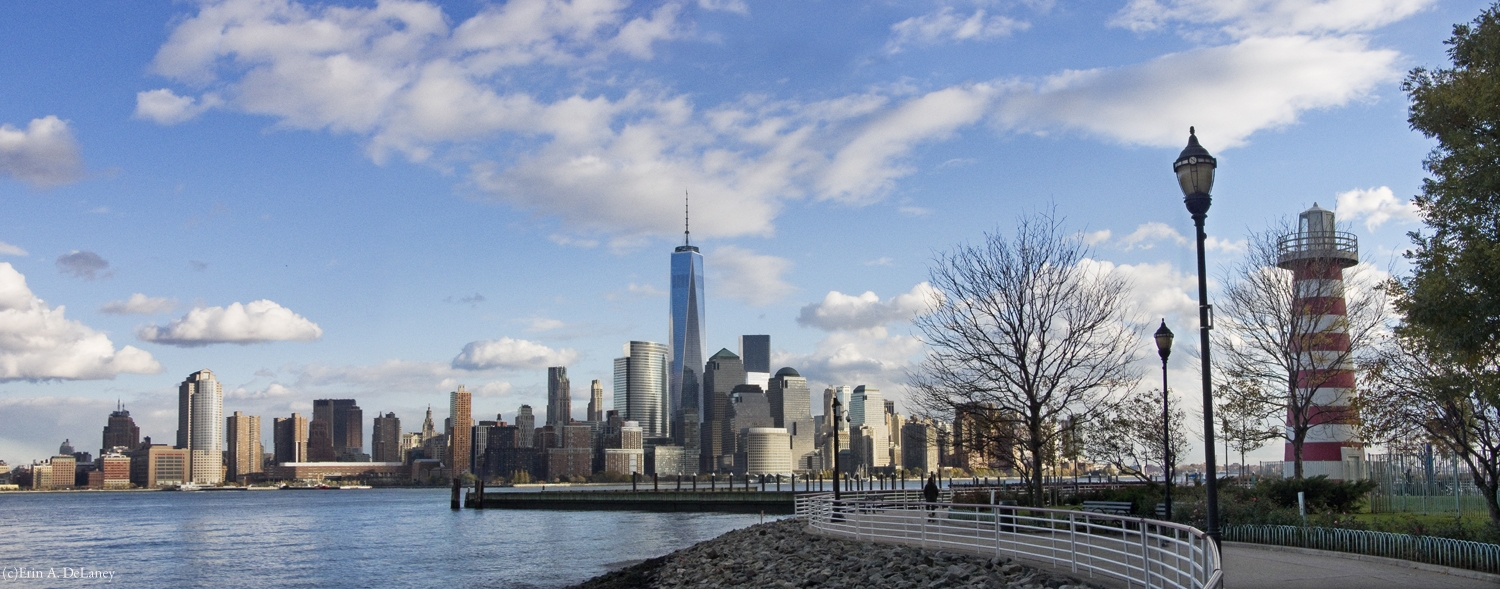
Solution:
(783, 554)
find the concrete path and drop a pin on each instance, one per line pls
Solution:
(1252, 566)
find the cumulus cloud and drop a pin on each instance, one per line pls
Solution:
(840, 312)
(38, 343)
(43, 154)
(1376, 206)
(167, 108)
(870, 357)
(743, 275)
(139, 304)
(1147, 235)
(248, 323)
(945, 26)
(83, 264)
(508, 353)
(11, 250)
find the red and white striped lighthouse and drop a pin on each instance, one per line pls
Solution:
(1317, 255)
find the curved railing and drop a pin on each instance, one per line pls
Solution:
(1475, 556)
(1142, 552)
(1317, 244)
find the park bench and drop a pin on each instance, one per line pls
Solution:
(1109, 507)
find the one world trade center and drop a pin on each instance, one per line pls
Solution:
(686, 326)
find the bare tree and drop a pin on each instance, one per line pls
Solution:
(1282, 338)
(1243, 419)
(1128, 436)
(1413, 391)
(1031, 330)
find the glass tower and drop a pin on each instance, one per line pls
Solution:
(639, 386)
(686, 326)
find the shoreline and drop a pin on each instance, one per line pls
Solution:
(784, 554)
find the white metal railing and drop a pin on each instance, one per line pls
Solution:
(1142, 552)
(1464, 554)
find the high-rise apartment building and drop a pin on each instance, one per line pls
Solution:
(461, 420)
(120, 432)
(596, 402)
(200, 426)
(346, 426)
(755, 352)
(385, 440)
(641, 387)
(559, 397)
(246, 454)
(687, 331)
(866, 408)
(526, 424)
(290, 437)
(320, 441)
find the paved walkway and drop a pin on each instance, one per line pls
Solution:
(1250, 566)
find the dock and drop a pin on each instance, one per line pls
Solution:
(770, 502)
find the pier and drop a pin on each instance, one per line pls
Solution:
(770, 502)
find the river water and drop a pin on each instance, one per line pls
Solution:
(354, 538)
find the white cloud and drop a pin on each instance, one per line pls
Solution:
(881, 261)
(83, 264)
(44, 154)
(38, 342)
(947, 26)
(1156, 290)
(561, 239)
(11, 250)
(507, 353)
(735, 6)
(1147, 235)
(1243, 18)
(139, 304)
(248, 323)
(1228, 246)
(840, 312)
(167, 108)
(1097, 237)
(274, 390)
(869, 357)
(743, 275)
(536, 324)
(1376, 206)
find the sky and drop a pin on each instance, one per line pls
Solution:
(386, 200)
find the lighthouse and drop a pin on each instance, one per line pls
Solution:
(1317, 255)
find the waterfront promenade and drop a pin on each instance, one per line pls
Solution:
(1255, 566)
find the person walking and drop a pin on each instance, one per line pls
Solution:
(930, 493)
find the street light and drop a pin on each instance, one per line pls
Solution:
(838, 420)
(1195, 175)
(1164, 349)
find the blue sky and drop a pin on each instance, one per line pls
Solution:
(385, 200)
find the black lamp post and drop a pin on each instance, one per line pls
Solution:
(1195, 175)
(1164, 349)
(838, 420)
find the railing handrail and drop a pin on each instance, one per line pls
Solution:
(1465, 554)
(1134, 549)
(1317, 241)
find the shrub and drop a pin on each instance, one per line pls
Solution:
(1322, 495)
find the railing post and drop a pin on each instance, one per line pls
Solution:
(1073, 539)
(1145, 560)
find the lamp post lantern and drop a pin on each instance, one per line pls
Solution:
(1195, 175)
(1164, 348)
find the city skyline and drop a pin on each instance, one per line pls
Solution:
(290, 240)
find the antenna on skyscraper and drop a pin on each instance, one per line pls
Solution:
(685, 233)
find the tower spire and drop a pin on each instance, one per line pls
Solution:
(686, 235)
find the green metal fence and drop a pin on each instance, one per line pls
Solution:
(1475, 556)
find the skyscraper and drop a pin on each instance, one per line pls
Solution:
(641, 387)
(245, 450)
(200, 426)
(791, 410)
(290, 437)
(385, 440)
(866, 408)
(596, 403)
(428, 431)
(721, 374)
(461, 422)
(686, 327)
(755, 352)
(345, 426)
(559, 398)
(526, 426)
(121, 431)
(320, 441)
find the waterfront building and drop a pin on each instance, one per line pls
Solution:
(289, 434)
(428, 431)
(526, 422)
(559, 397)
(596, 402)
(460, 419)
(768, 450)
(755, 352)
(791, 409)
(641, 386)
(574, 455)
(41, 476)
(748, 408)
(120, 431)
(687, 328)
(723, 371)
(200, 426)
(411, 446)
(246, 454)
(665, 461)
(625, 452)
(867, 408)
(320, 441)
(919, 446)
(346, 427)
(154, 466)
(382, 472)
(1317, 255)
(436, 448)
(113, 472)
(893, 422)
(385, 439)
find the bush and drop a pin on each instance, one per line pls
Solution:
(1322, 495)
